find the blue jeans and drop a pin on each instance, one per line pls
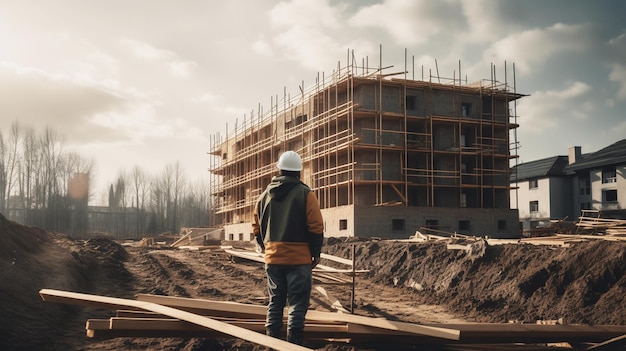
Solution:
(292, 284)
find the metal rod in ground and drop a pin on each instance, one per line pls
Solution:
(353, 277)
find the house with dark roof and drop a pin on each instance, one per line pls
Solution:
(565, 187)
(600, 181)
(542, 191)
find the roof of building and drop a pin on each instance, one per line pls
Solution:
(613, 154)
(551, 166)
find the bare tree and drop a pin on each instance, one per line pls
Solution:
(175, 183)
(49, 182)
(158, 200)
(140, 191)
(9, 164)
(27, 173)
(195, 205)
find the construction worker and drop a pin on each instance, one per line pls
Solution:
(289, 228)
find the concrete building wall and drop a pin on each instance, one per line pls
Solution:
(402, 222)
(339, 221)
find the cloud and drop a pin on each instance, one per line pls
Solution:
(617, 74)
(302, 28)
(410, 22)
(306, 14)
(262, 48)
(531, 47)
(182, 68)
(484, 20)
(82, 110)
(177, 66)
(36, 98)
(544, 110)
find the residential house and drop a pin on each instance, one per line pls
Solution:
(566, 187)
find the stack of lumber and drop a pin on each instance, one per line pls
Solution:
(608, 226)
(163, 316)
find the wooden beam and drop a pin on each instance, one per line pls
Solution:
(615, 344)
(238, 332)
(337, 259)
(334, 302)
(418, 329)
(210, 305)
(257, 257)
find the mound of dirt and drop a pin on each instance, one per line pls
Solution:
(32, 259)
(584, 283)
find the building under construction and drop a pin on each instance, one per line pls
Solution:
(385, 154)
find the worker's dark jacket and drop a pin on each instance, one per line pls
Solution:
(288, 219)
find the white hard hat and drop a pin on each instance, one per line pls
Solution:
(289, 161)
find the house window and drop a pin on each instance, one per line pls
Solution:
(343, 224)
(397, 224)
(410, 102)
(240, 236)
(466, 109)
(231, 237)
(251, 236)
(534, 206)
(609, 175)
(301, 119)
(464, 224)
(609, 195)
(533, 184)
(584, 184)
(432, 223)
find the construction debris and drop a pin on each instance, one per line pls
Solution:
(599, 225)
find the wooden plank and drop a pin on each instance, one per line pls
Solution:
(615, 344)
(238, 332)
(334, 302)
(257, 257)
(210, 305)
(337, 259)
(148, 327)
(176, 324)
(437, 332)
(335, 279)
(252, 256)
(258, 311)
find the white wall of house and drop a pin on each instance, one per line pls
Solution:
(599, 189)
(527, 195)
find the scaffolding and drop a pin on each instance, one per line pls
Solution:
(377, 139)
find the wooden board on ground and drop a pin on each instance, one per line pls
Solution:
(225, 328)
(180, 302)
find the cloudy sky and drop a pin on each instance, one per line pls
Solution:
(148, 82)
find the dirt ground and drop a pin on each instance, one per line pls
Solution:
(407, 281)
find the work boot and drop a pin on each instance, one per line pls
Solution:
(295, 336)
